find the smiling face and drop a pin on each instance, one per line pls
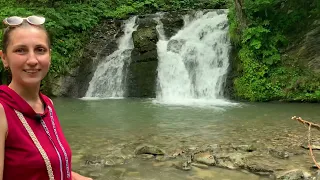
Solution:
(27, 55)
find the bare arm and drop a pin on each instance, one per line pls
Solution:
(3, 134)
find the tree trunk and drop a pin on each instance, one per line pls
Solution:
(240, 14)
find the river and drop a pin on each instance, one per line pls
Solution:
(113, 128)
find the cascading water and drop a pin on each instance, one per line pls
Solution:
(109, 78)
(193, 64)
(159, 27)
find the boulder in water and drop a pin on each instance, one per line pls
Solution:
(149, 149)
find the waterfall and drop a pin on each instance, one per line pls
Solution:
(159, 27)
(193, 64)
(109, 78)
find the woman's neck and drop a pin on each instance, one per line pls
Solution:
(28, 93)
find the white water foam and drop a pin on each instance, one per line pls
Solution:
(193, 64)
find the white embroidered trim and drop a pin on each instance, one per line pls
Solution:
(37, 143)
(60, 144)
(48, 134)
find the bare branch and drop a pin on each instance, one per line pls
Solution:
(310, 125)
(313, 125)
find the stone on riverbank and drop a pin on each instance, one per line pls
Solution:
(230, 160)
(201, 166)
(183, 165)
(205, 158)
(295, 174)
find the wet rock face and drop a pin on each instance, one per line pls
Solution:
(172, 23)
(305, 51)
(144, 59)
(145, 37)
(142, 71)
(103, 42)
(308, 51)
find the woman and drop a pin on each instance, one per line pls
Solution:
(32, 144)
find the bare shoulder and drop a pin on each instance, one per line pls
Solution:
(3, 122)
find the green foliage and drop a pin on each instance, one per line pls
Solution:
(264, 75)
(122, 8)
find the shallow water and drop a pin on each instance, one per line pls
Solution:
(106, 128)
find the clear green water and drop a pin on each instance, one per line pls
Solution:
(113, 128)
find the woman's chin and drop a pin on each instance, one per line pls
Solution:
(31, 82)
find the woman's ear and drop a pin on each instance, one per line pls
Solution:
(4, 59)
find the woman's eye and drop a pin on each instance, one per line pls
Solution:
(20, 51)
(41, 50)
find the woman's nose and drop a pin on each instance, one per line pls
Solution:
(32, 59)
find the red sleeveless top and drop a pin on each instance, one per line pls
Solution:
(22, 158)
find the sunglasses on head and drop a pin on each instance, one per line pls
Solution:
(16, 21)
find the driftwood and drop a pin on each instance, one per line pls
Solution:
(310, 125)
